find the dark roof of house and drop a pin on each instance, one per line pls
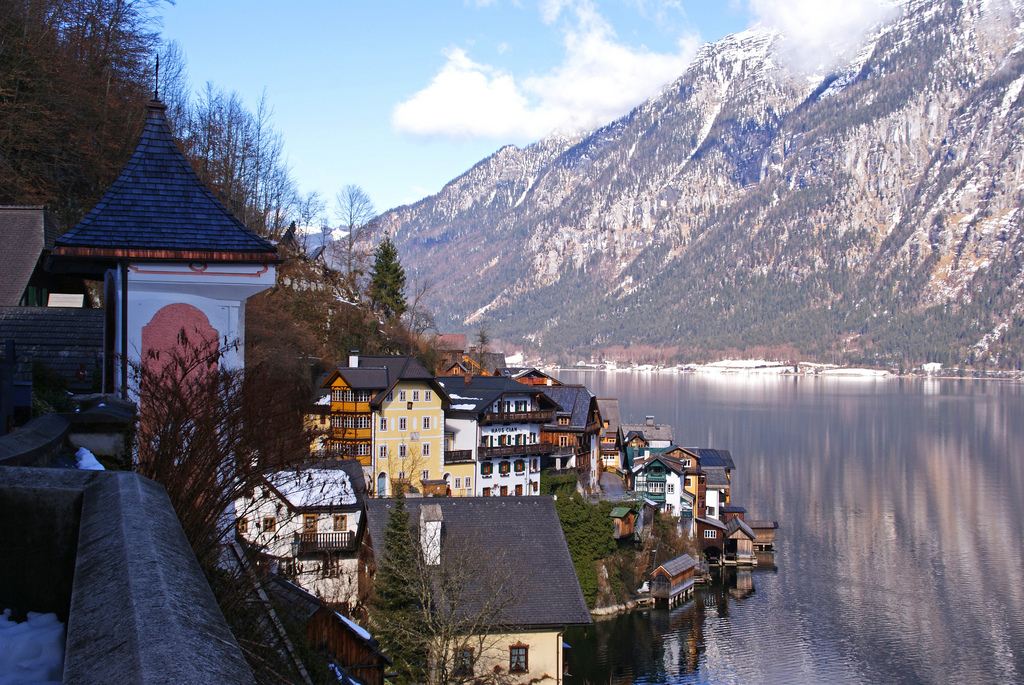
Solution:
(452, 341)
(483, 391)
(523, 528)
(518, 372)
(755, 525)
(27, 232)
(682, 563)
(715, 477)
(733, 509)
(490, 361)
(159, 209)
(658, 431)
(381, 372)
(714, 523)
(737, 524)
(63, 339)
(710, 457)
(609, 408)
(574, 401)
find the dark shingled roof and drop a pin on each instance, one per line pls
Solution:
(483, 391)
(574, 400)
(715, 477)
(609, 408)
(658, 431)
(710, 457)
(762, 524)
(525, 528)
(381, 372)
(158, 208)
(736, 524)
(64, 339)
(27, 232)
(679, 564)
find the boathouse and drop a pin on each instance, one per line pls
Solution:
(673, 581)
(739, 543)
(764, 532)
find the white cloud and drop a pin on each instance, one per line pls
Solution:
(598, 80)
(820, 33)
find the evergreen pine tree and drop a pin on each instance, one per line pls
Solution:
(396, 611)
(387, 284)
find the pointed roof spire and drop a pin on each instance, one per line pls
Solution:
(158, 208)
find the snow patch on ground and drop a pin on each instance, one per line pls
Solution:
(85, 460)
(33, 651)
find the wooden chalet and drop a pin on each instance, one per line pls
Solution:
(527, 375)
(764, 532)
(673, 581)
(739, 543)
(355, 655)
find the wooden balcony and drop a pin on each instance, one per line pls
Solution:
(314, 543)
(544, 416)
(458, 456)
(515, 450)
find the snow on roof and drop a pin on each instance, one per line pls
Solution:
(314, 487)
(464, 407)
(360, 631)
(325, 400)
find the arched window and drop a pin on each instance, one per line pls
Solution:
(382, 484)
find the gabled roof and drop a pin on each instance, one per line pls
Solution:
(521, 372)
(649, 432)
(159, 209)
(737, 524)
(619, 512)
(758, 525)
(710, 457)
(481, 392)
(683, 562)
(27, 232)
(525, 528)
(574, 401)
(609, 408)
(381, 373)
(64, 339)
(711, 522)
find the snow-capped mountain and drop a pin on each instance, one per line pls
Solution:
(874, 211)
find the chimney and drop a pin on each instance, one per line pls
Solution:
(353, 359)
(467, 378)
(650, 420)
(430, 533)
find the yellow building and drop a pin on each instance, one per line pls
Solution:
(387, 411)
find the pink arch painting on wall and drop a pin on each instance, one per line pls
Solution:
(176, 328)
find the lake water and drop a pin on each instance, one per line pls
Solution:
(900, 553)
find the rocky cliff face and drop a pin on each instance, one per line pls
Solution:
(872, 213)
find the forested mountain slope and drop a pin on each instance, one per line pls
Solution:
(872, 214)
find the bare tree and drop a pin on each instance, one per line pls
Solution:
(355, 213)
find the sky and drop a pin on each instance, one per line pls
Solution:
(400, 97)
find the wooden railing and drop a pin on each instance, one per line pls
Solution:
(311, 543)
(541, 416)
(457, 456)
(515, 450)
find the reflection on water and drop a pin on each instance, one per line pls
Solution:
(901, 543)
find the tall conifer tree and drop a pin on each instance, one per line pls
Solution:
(387, 285)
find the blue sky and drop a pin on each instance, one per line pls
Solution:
(400, 97)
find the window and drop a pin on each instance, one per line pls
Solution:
(337, 394)
(534, 484)
(425, 475)
(402, 451)
(687, 462)
(520, 466)
(563, 420)
(340, 522)
(383, 424)
(401, 475)
(243, 525)
(710, 534)
(503, 468)
(336, 421)
(363, 449)
(415, 395)
(519, 490)
(390, 397)
(401, 395)
(363, 396)
(309, 523)
(382, 452)
(517, 659)
(563, 440)
(655, 486)
(428, 395)
(426, 423)
(403, 423)
(426, 449)
(670, 488)
(469, 483)
(350, 396)
(487, 492)
(688, 482)
(269, 524)
(486, 468)
(363, 421)
(464, 662)
(458, 483)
